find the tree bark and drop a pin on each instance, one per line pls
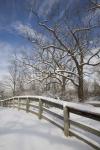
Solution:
(81, 86)
(80, 91)
(63, 87)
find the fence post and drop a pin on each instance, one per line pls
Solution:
(9, 103)
(40, 108)
(13, 102)
(27, 104)
(6, 104)
(18, 103)
(66, 121)
(2, 103)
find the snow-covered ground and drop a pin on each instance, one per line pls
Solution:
(23, 131)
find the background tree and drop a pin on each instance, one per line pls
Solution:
(14, 81)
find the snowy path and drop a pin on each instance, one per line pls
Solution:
(22, 131)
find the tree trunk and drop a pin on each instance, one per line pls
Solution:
(14, 90)
(80, 91)
(81, 86)
(63, 87)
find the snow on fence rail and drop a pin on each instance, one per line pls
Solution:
(41, 106)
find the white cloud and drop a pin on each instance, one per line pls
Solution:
(46, 7)
(5, 52)
(24, 29)
(28, 32)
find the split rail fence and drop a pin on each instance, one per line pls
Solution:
(44, 107)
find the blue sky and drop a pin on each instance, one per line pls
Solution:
(16, 15)
(11, 12)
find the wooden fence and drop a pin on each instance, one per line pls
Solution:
(43, 108)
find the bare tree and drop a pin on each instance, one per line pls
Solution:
(13, 71)
(2, 91)
(76, 53)
(15, 79)
(74, 42)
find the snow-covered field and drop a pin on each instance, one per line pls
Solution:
(23, 131)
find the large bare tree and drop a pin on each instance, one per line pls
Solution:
(77, 43)
(77, 51)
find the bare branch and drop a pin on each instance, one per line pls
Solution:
(68, 78)
(85, 29)
(53, 46)
(68, 72)
(92, 64)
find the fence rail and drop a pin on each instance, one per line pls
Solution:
(42, 107)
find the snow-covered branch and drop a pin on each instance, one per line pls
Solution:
(67, 77)
(67, 72)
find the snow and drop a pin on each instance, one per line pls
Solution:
(21, 130)
(93, 102)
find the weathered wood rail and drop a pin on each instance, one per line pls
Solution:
(42, 107)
